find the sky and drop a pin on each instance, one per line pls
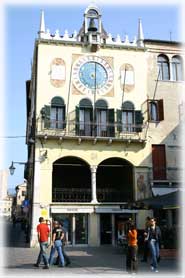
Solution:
(21, 24)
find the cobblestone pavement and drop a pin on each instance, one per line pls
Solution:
(97, 261)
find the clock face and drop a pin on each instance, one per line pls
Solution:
(92, 74)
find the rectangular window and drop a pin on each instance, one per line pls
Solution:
(163, 69)
(176, 72)
(56, 117)
(23, 193)
(85, 122)
(155, 110)
(127, 121)
(101, 122)
(159, 162)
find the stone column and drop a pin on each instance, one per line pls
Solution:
(113, 229)
(93, 184)
(171, 70)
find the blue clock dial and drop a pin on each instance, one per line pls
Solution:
(93, 75)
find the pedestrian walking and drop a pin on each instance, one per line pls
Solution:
(43, 234)
(57, 236)
(146, 247)
(153, 237)
(131, 257)
(64, 241)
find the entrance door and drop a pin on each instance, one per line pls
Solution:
(81, 228)
(105, 228)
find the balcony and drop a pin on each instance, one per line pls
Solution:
(173, 178)
(83, 195)
(88, 130)
(71, 195)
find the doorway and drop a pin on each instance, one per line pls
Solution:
(75, 225)
(81, 228)
(105, 228)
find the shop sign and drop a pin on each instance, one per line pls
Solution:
(114, 210)
(44, 213)
(72, 209)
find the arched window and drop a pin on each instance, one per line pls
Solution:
(163, 67)
(127, 116)
(153, 111)
(92, 12)
(85, 117)
(57, 114)
(57, 101)
(177, 69)
(128, 105)
(101, 117)
(101, 104)
(85, 103)
(129, 119)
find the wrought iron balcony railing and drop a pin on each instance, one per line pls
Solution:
(165, 177)
(89, 129)
(84, 195)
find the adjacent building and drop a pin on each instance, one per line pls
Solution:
(20, 210)
(6, 199)
(102, 128)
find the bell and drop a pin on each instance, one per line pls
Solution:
(92, 26)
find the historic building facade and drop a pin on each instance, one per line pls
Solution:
(102, 128)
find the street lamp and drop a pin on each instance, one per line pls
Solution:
(12, 167)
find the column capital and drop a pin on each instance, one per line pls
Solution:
(93, 168)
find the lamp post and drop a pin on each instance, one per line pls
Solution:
(12, 167)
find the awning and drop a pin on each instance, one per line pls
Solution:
(162, 191)
(166, 201)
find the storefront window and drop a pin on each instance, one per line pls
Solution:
(81, 228)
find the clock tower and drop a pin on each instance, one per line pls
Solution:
(96, 129)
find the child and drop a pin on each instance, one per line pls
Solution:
(131, 259)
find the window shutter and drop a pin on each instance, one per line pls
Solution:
(42, 112)
(77, 127)
(119, 127)
(138, 120)
(111, 129)
(159, 162)
(47, 112)
(64, 116)
(160, 110)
